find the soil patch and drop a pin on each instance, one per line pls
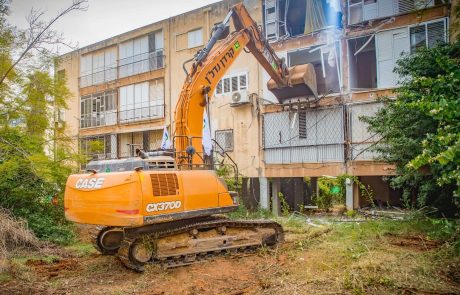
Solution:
(416, 243)
(54, 268)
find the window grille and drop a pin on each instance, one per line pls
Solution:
(225, 139)
(98, 110)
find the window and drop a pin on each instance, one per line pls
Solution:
(428, 35)
(142, 101)
(99, 67)
(363, 10)
(99, 147)
(195, 38)
(141, 55)
(224, 138)
(391, 45)
(362, 63)
(98, 110)
(303, 125)
(286, 18)
(232, 83)
(326, 61)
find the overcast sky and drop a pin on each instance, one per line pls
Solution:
(104, 18)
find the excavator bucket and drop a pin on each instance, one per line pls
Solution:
(302, 83)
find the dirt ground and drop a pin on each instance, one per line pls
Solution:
(328, 259)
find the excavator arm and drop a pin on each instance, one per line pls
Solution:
(210, 65)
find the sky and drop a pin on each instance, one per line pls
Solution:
(103, 18)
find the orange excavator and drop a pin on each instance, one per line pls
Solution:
(166, 206)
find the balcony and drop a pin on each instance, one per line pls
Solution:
(113, 117)
(98, 77)
(141, 63)
(141, 114)
(133, 65)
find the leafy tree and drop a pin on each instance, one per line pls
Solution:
(35, 153)
(420, 130)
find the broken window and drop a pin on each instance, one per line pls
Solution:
(428, 35)
(326, 61)
(98, 110)
(285, 18)
(362, 63)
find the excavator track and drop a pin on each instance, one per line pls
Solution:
(106, 239)
(190, 243)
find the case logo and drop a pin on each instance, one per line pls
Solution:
(153, 207)
(90, 183)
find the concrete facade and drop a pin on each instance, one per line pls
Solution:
(353, 69)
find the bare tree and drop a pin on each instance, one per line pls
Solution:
(38, 35)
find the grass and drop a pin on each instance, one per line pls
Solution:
(371, 257)
(81, 249)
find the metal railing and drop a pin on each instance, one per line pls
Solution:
(98, 119)
(105, 75)
(113, 117)
(185, 160)
(133, 65)
(140, 114)
(141, 63)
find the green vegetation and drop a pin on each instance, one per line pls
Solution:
(228, 174)
(35, 153)
(420, 130)
(332, 191)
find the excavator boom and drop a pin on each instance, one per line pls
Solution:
(210, 65)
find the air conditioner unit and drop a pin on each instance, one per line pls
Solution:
(239, 98)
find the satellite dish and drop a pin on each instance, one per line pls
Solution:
(236, 97)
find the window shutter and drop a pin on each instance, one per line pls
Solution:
(405, 6)
(386, 7)
(243, 82)
(390, 45)
(234, 83)
(226, 85)
(436, 33)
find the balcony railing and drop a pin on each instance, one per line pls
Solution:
(98, 119)
(140, 114)
(109, 118)
(129, 66)
(141, 63)
(98, 77)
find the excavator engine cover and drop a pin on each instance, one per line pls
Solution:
(302, 83)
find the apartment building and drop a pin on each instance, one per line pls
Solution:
(126, 88)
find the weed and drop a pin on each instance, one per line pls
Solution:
(81, 249)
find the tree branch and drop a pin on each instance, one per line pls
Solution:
(35, 38)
